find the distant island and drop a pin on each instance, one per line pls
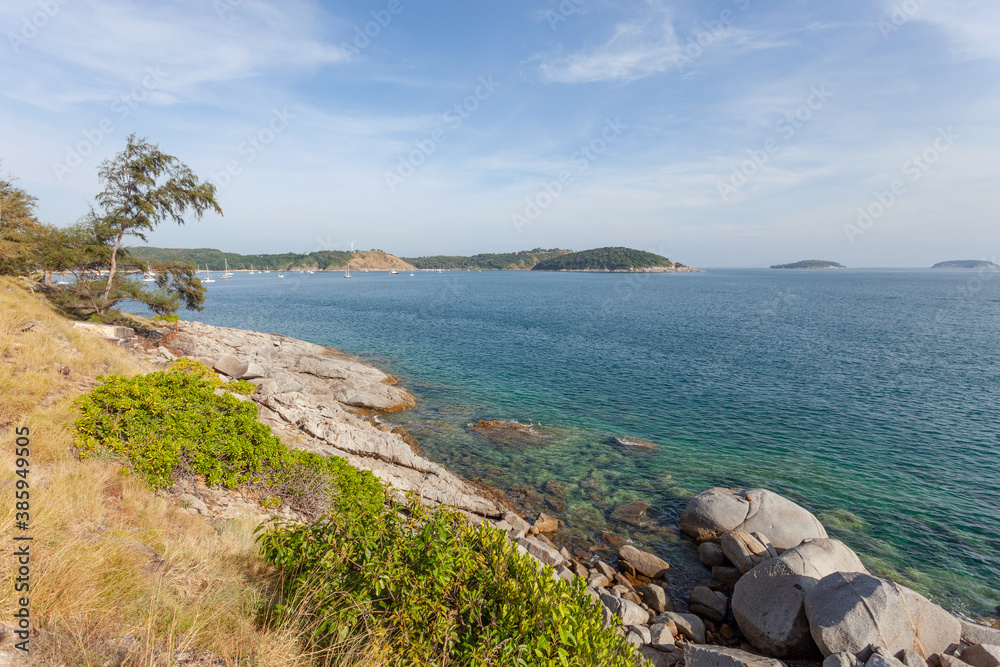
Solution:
(810, 264)
(553, 259)
(966, 264)
(611, 260)
(523, 260)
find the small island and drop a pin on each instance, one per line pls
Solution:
(612, 260)
(966, 264)
(810, 264)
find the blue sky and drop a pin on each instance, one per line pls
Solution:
(728, 133)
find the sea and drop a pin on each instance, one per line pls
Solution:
(871, 397)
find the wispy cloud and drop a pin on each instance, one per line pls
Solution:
(634, 51)
(89, 50)
(973, 26)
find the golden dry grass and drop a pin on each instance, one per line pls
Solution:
(120, 575)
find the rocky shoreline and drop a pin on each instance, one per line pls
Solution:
(776, 584)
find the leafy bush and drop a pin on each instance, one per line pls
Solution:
(173, 423)
(435, 590)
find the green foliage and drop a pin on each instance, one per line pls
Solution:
(435, 590)
(216, 259)
(173, 423)
(810, 264)
(521, 260)
(168, 317)
(604, 259)
(19, 230)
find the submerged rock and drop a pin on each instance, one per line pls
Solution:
(629, 442)
(635, 513)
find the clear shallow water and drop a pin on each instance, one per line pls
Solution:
(871, 397)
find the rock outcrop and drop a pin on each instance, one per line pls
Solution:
(848, 612)
(307, 393)
(712, 513)
(769, 601)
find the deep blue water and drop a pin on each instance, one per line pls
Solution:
(872, 397)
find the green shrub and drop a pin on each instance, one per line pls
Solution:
(172, 423)
(435, 590)
(167, 317)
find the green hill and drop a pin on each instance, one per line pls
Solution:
(966, 264)
(810, 264)
(505, 261)
(216, 259)
(609, 259)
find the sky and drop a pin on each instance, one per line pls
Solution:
(725, 133)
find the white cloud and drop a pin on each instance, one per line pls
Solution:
(972, 25)
(634, 51)
(91, 50)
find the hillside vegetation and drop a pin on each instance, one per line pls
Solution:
(322, 260)
(606, 259)
(119, 573)
(521, 260)
(966, 264)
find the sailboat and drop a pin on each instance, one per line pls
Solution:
(209, 278)
(347, 274)
(148, 277)
(251, 272)
(227, 275)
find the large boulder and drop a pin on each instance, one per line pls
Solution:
(769, 601)
(717, 656)
(713, 513)
(848, 611)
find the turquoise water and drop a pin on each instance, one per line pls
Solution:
(872, 397)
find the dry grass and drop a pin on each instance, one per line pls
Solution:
(120, 575)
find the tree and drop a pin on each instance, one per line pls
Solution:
(143, 187)
(18, 229)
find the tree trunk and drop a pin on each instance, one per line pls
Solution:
(111, 273)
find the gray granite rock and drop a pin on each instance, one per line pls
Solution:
(717, 656)
(712, 513)
(769, 601)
